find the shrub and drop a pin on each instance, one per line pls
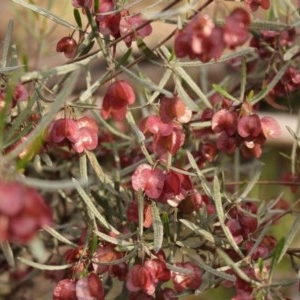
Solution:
(145, 182)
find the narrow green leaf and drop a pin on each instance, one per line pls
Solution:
(166, 76)
(83, 167)
(229, 262)
(157, 228)
(18, 136)
(243, 78)
(146, 83)
(268, 25)
(140, 137)
(141, 212)
(6, 45)
(126, 258)
(8, 253)
(172, 55)
(87, 48)
(261, 236)
(224, 93)
(260, 95)
(58, 236)
(113, 240)
(94, 27)
(52, 185)
(103, 177)
(191, 83)
(293, 231)
(294, 135)
(36, 133)
(178, 269)
(77, 17)
(93, 245)
(166, 224)
(223, 58)
(218, 199)
(46, 14)
(129, 169)
(186, 172)
(293, 155)
(111, 129)
(167, 13)
(89, 203)
(96, 5)
(261, 24)
(83, 48)
(283, 283)
(290, 52)
(10, 69)
(221, 215)
(88, 93)
(218, 273)
(60, 70)
(42, 266)
(7, 102)
(271, 84)
(251, 184)
(204, 233)
(278, 252)
(213, 271)
(202, 178)
(110, 212)
(200, 125)
(11, 133)
(187, 100)
(145, 49)
(13, 55)
(124, 58)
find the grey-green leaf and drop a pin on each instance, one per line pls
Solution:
(8, 253)
(157, 227)
(43, 266)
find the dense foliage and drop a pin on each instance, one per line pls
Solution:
(142, 186)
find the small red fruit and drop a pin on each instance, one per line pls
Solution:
(67, 45)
